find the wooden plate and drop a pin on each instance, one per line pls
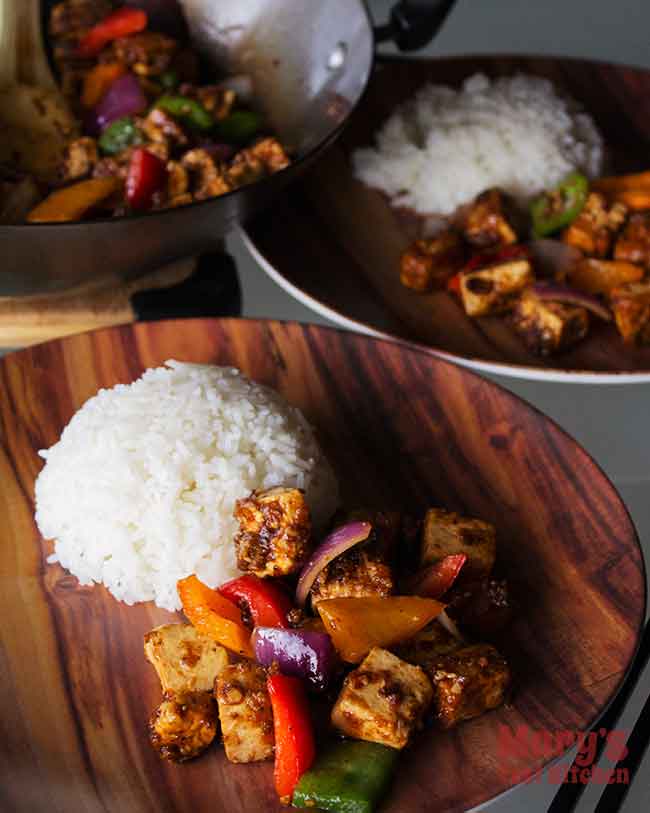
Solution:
(335, 244)
(403, 429)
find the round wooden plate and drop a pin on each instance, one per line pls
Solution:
(335, 244)
(402, 429)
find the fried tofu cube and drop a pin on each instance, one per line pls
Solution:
(483, 609)
(445, 532)
(487, 222)
(183, 725)
(494, 289)
(383, 700)
(184, 659)
(594, 229)
(631, 306)
(548, 327)
(425, 647)
(602, 276)
(467, 682)
(429, 263)
(358, 573)
(274, 532)
(245, 712)
(633, 245)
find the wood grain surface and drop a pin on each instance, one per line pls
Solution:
(403, 429)
(338, 242)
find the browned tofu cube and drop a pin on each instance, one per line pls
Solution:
(495, 288)
(274, 532)
(482, 609)
(428, 645)
(429, 263)
(245, 712)
(358, 573)
(595, 228)
(633, 244)
(488, 223)
(602, 276)
(631, 306)
(184, 659)
(183, 725)
(467, 682)
(445, 532)
(548, 327)
(383, 700)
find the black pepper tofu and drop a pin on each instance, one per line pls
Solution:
(445, 532)
(425, 647)
(594, 229)
(494, 288)
(429, 263)
(383, 700)
(633, 245)
(489, 221)
(630, 304)
(274, 532)
(482, 609)
(183, 725)
(184, 659)
(245, 712)
(548, 327)
(467, 682)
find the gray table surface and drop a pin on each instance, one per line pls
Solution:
(610, 422)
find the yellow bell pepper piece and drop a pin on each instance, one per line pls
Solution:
(214, 616)
(72, 202)
(355, 625)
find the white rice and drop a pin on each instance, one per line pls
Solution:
(140, 489)
(444, 147)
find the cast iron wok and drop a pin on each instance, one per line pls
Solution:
(310, 63)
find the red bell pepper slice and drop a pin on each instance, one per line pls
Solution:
(453, 284)
(295, 748)
(434, 581)
(146, 175)
(267, 603)
(120, 23)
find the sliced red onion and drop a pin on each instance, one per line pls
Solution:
(124, 98)
(555, 292)
(451, 626)
(298, 653)
(218, 150)
(553, 259)
(332, 546)
(241, 84)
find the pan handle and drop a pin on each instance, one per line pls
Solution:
(414, 23)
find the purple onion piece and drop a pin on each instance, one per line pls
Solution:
(124, 98)
(298, 653)
(554, 292)
(218, 150)
(553, 259)
(336, 543)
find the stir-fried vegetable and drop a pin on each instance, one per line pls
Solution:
(435, 580)
(120, 23)
(74, 201)
(189, 111)
(123, 98)
(295, 748)
(239, 127)
(299, 653)
(214, 616)
(267, 603)
(556, 292)
(98, 80)
(350, 777)
(147, 175)
(336, 543)
(555, 209)
(356, 625)
(119, 135)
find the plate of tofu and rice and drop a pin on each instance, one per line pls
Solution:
(495, 209)
(251, 564)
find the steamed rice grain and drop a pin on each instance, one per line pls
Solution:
(140, 489)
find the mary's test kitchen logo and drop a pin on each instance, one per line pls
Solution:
(519, 746)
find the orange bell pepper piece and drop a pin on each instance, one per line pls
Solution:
(72, 202)
(98, 80)
(636, 199)
(214, 616)
(355, 625)
(617, 183)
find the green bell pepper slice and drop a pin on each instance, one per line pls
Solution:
(189, 111)
(119, 135)
(559, 207)
(350, 777)
(239, 127)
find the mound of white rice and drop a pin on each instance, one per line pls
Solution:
(140, 489)
(444, 147)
